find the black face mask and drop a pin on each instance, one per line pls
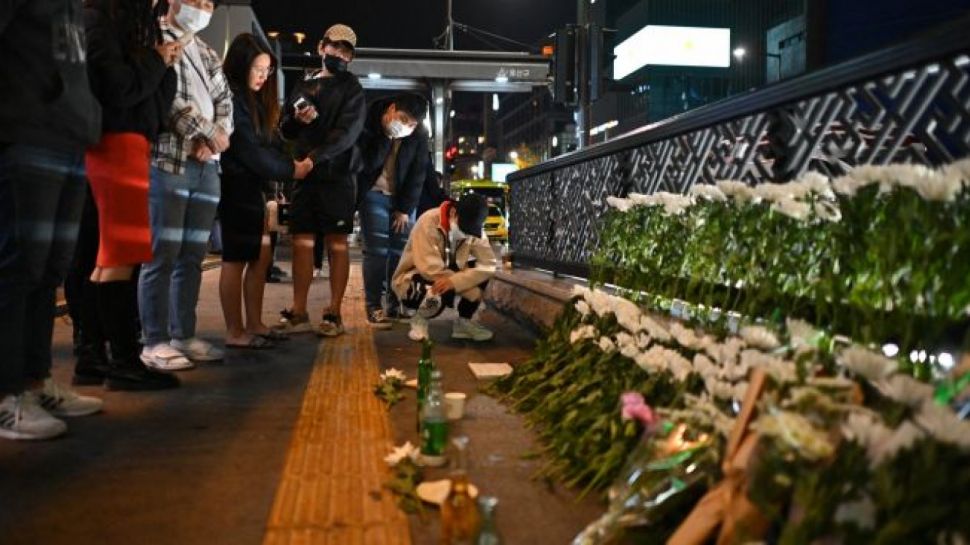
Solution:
(334, 65)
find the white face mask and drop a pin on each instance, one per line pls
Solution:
(396, 129)
(192, 19)
(455, 233)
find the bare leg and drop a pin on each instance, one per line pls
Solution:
(338, 255)
(255, 284)
(302, 271)
(230, 292)
(111, 274)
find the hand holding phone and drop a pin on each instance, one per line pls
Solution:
(305, 112)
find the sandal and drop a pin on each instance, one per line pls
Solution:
(331, 326)
(274, 335)
(257, 342)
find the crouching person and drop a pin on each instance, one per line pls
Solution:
(447, 262)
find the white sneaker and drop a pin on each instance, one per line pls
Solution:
(22, 418)
(464, 328)
(419, 329)
(62, 401)
(163, 357)
(197, 349)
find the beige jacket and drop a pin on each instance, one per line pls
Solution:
(426, 254)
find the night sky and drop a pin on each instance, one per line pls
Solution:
(412, 24)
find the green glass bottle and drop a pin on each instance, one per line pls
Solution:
(425, 365)
(434, 424)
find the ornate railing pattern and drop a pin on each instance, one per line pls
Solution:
(906, 104)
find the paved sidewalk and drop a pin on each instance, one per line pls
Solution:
(270, 447)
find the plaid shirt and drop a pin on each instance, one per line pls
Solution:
(185, 124)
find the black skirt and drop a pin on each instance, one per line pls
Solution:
(242, 213)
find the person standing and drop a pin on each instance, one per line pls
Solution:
(394, 156)
(324, 118)
(251, 161)
(183, 194)
(131, 74)
(447, 261)
(48, 116)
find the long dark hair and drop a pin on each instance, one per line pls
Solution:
(264, 104)
(135, 20)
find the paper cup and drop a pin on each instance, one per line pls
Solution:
(455, 405)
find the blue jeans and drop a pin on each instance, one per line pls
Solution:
(382, 247)
(41, 199)
(182, 210)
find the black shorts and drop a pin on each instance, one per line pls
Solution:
(323, 206)
(242, 210)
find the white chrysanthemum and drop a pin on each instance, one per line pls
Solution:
(828, 211)
(904, 389)
(738, 191)
(816, 184)
(759, 337)
(407, 450)
(623, 205)
(654, 329)
(718, 389)
(686, 337)
(674, 204)
(861, 513)
(727, 352)
(653, 360)
(740, 390)
(780, 370)
(393, 374)
(793, 209)
(705, 367)
(801, 333)
(582, 307)
(774, 192)
(865, 429)
(582, 333)
(678, 365)
(708, 192)
(644, 341)
(902, 438)
(639, 199)
(797, 432)
(606, 345)
(942, 424)
(930, 184)
(627, 313)
(848, 185)
(866, 363)
(958, 173)
(581, 291)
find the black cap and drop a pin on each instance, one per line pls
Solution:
(472, 210)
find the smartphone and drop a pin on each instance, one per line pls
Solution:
(301, 104)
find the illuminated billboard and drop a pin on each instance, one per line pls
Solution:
(657, 45)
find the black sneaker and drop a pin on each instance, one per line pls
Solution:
(91, 367)
(378, 320)
(139, 378)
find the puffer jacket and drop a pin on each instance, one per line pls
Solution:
(426, 253)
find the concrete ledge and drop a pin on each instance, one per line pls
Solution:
(530, 297)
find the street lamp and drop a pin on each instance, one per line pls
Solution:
(739, 53)
(514, 155)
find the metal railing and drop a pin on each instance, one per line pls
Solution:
(909, 103)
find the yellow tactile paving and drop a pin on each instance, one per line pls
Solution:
(330, 492)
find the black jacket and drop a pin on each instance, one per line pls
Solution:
(329, 140)
(412, 159)
(135, 88)
(251, 156)
(45, 96)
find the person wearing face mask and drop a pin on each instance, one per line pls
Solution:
(184, 190)
(323, 118)
(447, 261)
(394, 149)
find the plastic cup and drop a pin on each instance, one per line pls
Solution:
(455, 405)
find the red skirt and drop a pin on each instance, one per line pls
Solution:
(118, 169)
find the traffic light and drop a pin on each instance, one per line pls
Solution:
(564, 66)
